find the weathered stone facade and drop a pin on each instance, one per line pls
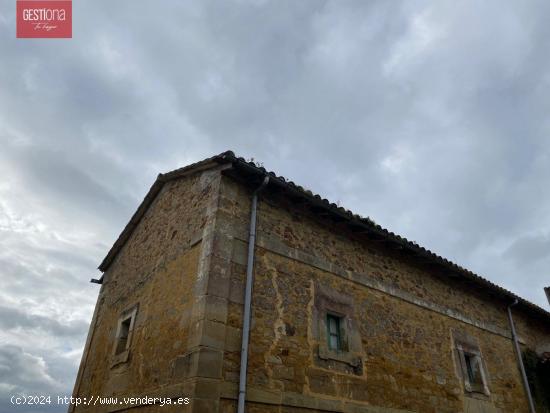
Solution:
(403, 319)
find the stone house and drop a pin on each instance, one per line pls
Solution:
(345, 315)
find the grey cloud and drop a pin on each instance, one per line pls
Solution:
(11, 318)
(53, 176)
(25, 374)
(529, 250)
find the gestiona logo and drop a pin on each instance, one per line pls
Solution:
(44, 19)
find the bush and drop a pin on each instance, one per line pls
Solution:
(538, 376)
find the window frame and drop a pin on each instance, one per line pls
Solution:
(122, 355)
(470, 351)
(349, 358)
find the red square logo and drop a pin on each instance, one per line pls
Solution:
(44, 19)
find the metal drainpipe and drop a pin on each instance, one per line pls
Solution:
(248, 296)
(520, 360)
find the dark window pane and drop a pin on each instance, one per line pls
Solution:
(334, 342)
(333, 325)
(473, 371)
(122, 338)
(333, 332)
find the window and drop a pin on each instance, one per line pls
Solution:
(473, 371)
(470, 364)
(122, 339)
(123, 336)
(336, 343)
(333, 333)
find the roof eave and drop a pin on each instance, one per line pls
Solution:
(249, 169)
(377, 231)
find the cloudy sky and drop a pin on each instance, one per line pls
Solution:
(432, 118)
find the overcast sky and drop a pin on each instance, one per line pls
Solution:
(432, 118)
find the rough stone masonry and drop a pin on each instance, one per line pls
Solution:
(346, 316)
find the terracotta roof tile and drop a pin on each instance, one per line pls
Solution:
(230, 157)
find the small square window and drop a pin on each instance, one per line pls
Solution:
(334, 333)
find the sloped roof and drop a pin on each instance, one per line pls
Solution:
(254, 173)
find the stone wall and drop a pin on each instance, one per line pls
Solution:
(184, 265)
(162, 269)
(404, 313)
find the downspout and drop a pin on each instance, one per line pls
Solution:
(520, 360)
(248, 296)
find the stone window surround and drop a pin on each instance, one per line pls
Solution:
(123, 356)
(330, 302)
(466, 345)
